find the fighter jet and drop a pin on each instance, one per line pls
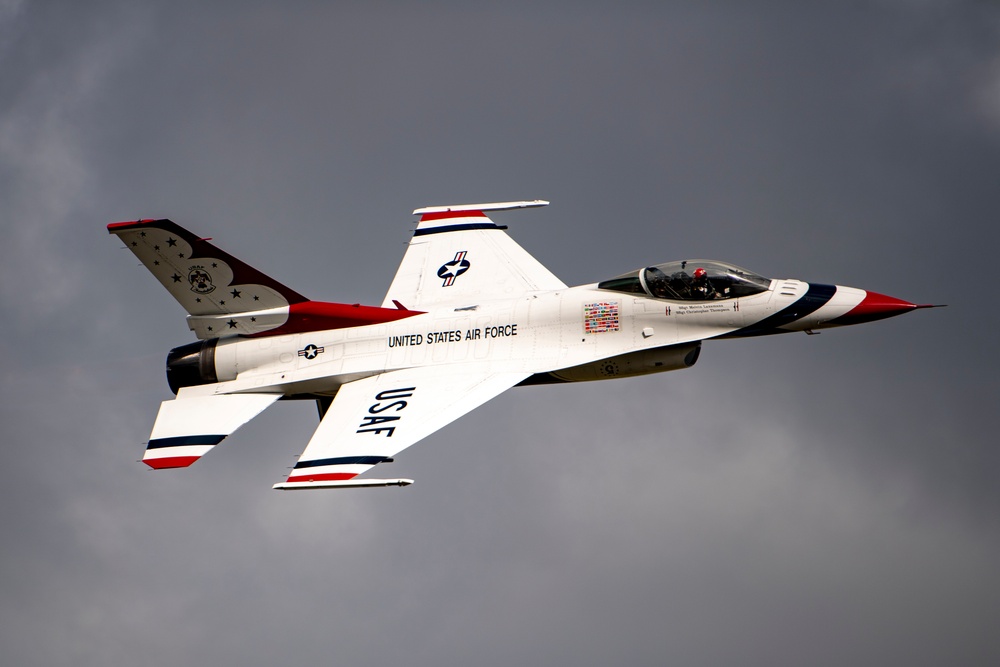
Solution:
(469, 315)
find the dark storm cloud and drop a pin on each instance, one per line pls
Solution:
(821, 500)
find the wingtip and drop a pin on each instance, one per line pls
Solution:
(479, 208)
(341, 484)
(115, 227)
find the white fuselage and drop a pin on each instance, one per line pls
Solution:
(564, 332)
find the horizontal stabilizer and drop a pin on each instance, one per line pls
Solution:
(187, 427)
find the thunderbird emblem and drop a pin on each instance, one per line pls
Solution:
(200, 280)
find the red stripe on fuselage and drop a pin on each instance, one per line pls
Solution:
(873, 307)
(320, 316)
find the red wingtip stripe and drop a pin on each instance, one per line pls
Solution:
(446, 215)
(171, 462)
(130, 223)
(323, 477)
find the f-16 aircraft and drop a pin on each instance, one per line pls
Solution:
(469, 315)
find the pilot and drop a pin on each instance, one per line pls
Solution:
(701, 287)
(657, 282)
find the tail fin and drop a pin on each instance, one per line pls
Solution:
(224, 296)
(458, 255)
(210, 284)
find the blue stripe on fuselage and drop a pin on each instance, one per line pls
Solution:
(816, 297)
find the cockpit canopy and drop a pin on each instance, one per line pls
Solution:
(689, 280)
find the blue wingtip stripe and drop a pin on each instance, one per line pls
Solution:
(342, 460)
(183, 440)
(455, 228)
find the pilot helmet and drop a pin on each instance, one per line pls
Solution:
(700, 273)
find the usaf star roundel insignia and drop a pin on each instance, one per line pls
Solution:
(310, 351)
(453, 269)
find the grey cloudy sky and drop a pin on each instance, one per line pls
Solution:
(822, 500)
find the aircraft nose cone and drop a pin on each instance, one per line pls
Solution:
(875, 306)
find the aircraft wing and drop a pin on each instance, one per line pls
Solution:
(371, 420)
(458, 256)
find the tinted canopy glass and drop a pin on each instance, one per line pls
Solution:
(690, 280)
